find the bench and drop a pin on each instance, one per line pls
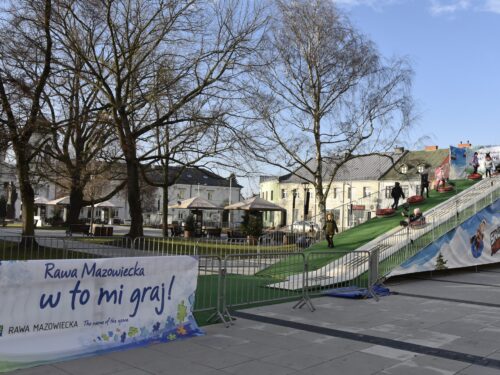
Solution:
(78, 228)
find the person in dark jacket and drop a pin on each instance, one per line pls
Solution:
(424, 183)
(330, 228)
(396, 194)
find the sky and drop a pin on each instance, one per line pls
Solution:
(454, 48)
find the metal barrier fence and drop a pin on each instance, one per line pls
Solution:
(235, 275)
(350, 269)
(250, 279)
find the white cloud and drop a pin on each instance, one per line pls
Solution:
(375, 4)
(492, 6)
(436, 8)
(440, 7)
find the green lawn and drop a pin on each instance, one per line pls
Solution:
(353, 238)
(180, 246)
(32, 251)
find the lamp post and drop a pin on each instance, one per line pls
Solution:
(306, 204)
(421, 170)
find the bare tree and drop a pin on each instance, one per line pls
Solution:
(81, 145)
(25, 58)
(324, 95)
(203, 44)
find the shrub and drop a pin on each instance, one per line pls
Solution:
(252, 225)
(190, 224)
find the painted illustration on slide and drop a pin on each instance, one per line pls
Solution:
(477, 240)
(474, 242)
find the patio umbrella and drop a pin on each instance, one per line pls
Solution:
(106, 204)
(254, 204)
(194, 203)
(64, 201)
(41, 200)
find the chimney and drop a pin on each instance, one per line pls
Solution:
(399, 150)
(464, 145)
(431, 148)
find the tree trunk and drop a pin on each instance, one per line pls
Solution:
(75, 204)
(27, 194)
(321, 206)
(165, 210)
(134, 197)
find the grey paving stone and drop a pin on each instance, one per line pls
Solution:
(334, 348)
(479, 370)
(205, 356)
(443, 364)
(356, 364)
(475, 346)
(295, 359)
(429, 338)
(97, 365)
(221, 340)
(256, 350)
(132, 371)
(40, 370)
(391, 353)
(137, 357)
(175, 366)
(258, 368)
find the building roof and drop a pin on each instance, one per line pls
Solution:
(431, 160)
(193, 176)
(369, 167)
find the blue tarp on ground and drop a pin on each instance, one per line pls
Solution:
(358, 293)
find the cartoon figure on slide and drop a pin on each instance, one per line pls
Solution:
(477, 240)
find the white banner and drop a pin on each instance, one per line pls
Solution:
(60, 309)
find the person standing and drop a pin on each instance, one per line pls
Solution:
(475, 162)
(397, 193)
(424, 183)
(330, 228)
(488, 164)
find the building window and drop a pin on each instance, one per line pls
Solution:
(272, 195)
(334, 193)
(180, 216)
(417, 189)
(266, 195)
(116, 212)
(406, 190)
(336, 215)
(283, 194)
(181, 193)
(158, 205)
(366, 191)
(388, 192)
(210, 195)
(349, 193)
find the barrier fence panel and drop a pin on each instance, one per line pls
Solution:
(165, 245)
(208, 298)
(252, 279)
(29, 247)
(349, 270)
(100, 247)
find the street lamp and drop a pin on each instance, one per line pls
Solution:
(403, 169)
(294, 196)
(306, 204)
(424, 179)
